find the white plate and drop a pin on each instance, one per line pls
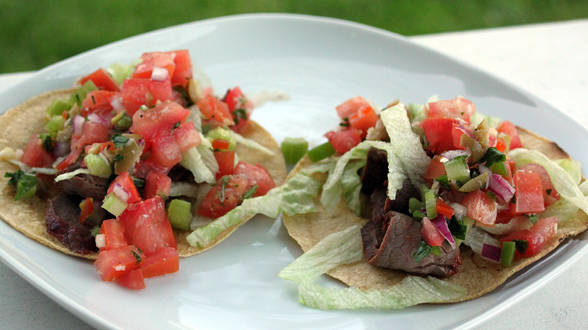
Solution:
(319, 62)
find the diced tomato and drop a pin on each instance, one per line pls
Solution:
(35, 155)
(155, 59)
(457, 108)
(456, 132)
(536, 237)
(187, 136)
(344, 140)
(98, 102)
(439, 134)
(444, 209)
(237, 102)
(225, 161)
(126, 184)
(112, 264)
(87, 208)
(550, 195)
(435, 169)
(529, 192)
(256, 175)
(492, 137)
(215, 112)
(430, 234)
(183, 71)
(157, 184)
(102, 80)
(147, 226)
(220, 144)
(480, 207)
(161, 118)
(92, 132)
(351, 107)
(363, 119)
(504, 216)
(165, 150)
(144, 166)
(137, 92)
(133, 280)
(163, 261)
(508, 128)
(224, 196)
(114, 234)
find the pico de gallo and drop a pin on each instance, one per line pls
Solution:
(136, 153)
(464, 187)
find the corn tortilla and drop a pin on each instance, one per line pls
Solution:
(28, 216)
(475, 274)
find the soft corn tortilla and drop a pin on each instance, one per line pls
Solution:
(19, 123)
(477, 275)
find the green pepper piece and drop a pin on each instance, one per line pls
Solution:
(321, 152)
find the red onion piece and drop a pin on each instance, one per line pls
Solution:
(491, 252)
(97, 119)
(451, 154)
(501, 187)
(120, 192)
(440, 222)
(78, 124)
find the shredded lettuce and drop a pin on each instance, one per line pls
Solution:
(201, 162)
(476, 238)
(405, 144)
(298, 195)
(351, 185)
(562, 181)
(491, 121)
(571, 166)
(69, 175)
(120, 72)
(344, 247)
(332, 189)
(250, 143)
(416, 112)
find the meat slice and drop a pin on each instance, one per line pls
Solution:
(85, 185)
(391, 243)
(63, 221)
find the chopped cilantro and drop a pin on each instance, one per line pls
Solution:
(249, 193)
(345, 122)
(533, 218)
(176, 125)
(93, 99)
(239, 114)
(25, 184)
(457, 228)
(119, 140)
(444, 182)
(137, 256)
(436, 250)
(118, 157)
(493, 156)
(47, 142)
(422, 251)
(139, 183)
(521, 245)
(95, 231)
(549, 191)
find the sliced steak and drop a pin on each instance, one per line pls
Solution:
(85, 185)
(63, 221)
(391, 243)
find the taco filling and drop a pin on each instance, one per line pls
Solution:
(127, 166)
(437, 198)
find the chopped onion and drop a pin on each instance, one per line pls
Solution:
(491, 252)
(116, 103)
(159, 74)
(100, 241)
(78, 124)
(97, 119)
(451, 154)
(120, 192)
(440, 223)
(460, 210)
(501, 187)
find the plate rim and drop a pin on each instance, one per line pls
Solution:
(93, 319)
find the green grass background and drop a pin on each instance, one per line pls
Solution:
(34, 34)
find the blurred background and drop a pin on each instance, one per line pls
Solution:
(34, 34)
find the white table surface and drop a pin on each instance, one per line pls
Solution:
(548, 60)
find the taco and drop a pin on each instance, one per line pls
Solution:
(105, 165)
(437, 204)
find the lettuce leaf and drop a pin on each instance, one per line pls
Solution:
(201, 162)
(571, 166)
(345, 247)
(562, 181)
(351, 185)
